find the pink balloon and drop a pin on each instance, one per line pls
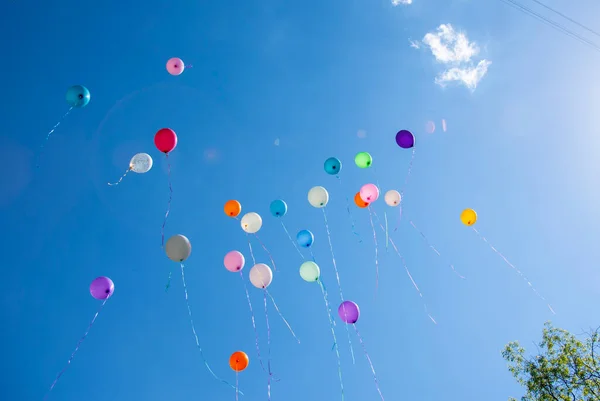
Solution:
(234, 261)
(175, 66)
(369, 193)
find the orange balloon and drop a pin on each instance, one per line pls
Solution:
(238, 361)
(359, 202)
(232, 208)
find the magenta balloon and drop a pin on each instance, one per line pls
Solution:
(234, 261)
(369, 193)
(102, 288)
(349, 312)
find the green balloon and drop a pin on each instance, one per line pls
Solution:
(363, 160)
(309, 271)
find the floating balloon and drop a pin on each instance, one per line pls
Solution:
(309, 271)
(78, 96)
(318, 197)
(359, 201)
(369, 193)
(232, 208)
(141, 163)
(405, 139)
(363, 160)
(392, 197)
(468, 217)
(175, 66)
(102, 288)
(261, 275)
(238, 361)
(234, 261)
(349, 312)
(251, 222)
(165, 140)
(333, 166)
(278, 208)
(305, 238)
(178, 248)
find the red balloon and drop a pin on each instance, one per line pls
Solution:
(165, 140)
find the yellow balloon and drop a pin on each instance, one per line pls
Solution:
(468, 217)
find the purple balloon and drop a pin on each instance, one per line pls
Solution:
(349, 312)
(405, 139)
(102, 288)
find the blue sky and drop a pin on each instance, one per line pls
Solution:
(521, 150)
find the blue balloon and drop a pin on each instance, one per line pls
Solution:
(278, 208)
(78, 96)
(333, 165)
(305, 238)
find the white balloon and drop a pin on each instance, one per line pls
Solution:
(261, 275)
(141, 163)
(178, 248)
(318, 197)
(251, 222)
(393, 197)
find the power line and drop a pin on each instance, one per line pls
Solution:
(551, 23)
(566, 17)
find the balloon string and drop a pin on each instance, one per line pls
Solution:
(509, 264)
(369, 360)
(251, 251)
(433, 248)
(407, 272)
(349, 212)
(267, 251)
(281, 315)
(337, 276)
(312, 255)
(237, 386)
(168, 281)
(387, 234)
(268, 345)
(410, 167)
(291, 240)
(408, 173)
(169, 203)
(76, 349)
(335, 344)
(187, 301)
(121, 179)
(376, 250)
(399, 214)
(50, 133)
(253, 323)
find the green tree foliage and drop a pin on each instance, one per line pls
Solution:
(564, 369)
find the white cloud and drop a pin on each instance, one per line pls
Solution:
(398, 2)
(449, 46)
(454, 49)
(469, 76)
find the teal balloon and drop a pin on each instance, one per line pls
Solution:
(278, 208)
(333, 166)
(78, 96)
(305, 238)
